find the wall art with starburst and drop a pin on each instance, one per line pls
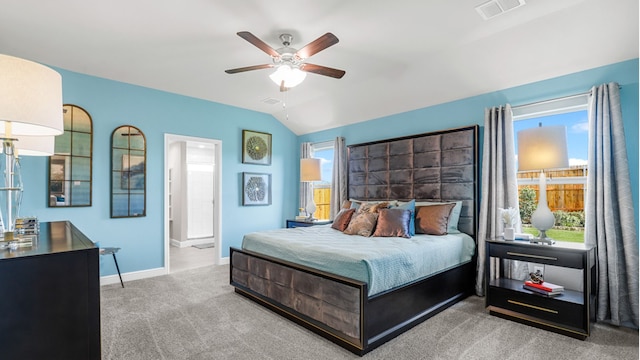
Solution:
(256, 147)
(256, 189)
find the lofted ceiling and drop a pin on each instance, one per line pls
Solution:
(398, 55)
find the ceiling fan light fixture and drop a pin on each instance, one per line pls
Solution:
(292, 76)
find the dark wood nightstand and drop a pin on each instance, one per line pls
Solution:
(569, 313)
(305, 223)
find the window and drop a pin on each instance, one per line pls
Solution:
(566, 188)
(322, 188)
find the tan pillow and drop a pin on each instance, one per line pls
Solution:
(393, 222)
(362, 223)
(433, 219)
(373, 207)
(346, 204)
(342, 219)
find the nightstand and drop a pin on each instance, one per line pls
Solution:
(305, 223)
(569, 313)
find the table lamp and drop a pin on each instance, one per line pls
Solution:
(30, 105)
(542, 148)
(310, 172)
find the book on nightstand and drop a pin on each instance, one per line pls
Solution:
(542, 292)
(545, 288)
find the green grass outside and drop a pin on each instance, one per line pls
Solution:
(559, 235)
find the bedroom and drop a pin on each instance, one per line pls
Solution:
(113, 103)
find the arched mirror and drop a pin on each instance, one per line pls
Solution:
(128, 172)
(70, 166)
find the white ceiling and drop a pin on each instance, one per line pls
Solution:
(399, 55)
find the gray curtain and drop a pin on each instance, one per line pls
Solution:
(610, 223)
(306, 188)
(339, 177)
(499, 184)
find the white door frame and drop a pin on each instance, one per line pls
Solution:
(217, 193)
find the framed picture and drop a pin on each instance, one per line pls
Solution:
(132, 172)
(256, 147)
(256, 189)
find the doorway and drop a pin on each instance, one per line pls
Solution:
(192, 202)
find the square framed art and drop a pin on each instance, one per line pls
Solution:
(256, 189)
(256, 147)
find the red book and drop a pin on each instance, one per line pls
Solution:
(541, 292)
(546, 286)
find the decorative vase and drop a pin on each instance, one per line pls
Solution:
(509, 233)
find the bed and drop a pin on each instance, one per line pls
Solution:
(336, 299)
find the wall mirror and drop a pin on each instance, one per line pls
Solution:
(70, 165)
(128, 172)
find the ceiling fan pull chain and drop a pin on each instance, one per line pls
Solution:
(284, 104)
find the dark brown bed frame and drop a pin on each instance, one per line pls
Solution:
(437, 166)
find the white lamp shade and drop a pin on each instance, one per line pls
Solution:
(542, 148)
(30, 98)
(310, 169)
(35, 145)
(291, 77)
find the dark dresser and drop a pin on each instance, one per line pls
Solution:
(50, 297)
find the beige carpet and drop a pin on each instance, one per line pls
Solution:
(195, 314)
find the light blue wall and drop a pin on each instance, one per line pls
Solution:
(112, 104)
(141, 240)
(470, 111)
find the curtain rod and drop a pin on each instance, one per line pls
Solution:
(555, 99)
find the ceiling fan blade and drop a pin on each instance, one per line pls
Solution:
(317, 45)
(322, 70)
(248, 68)
(258, 43)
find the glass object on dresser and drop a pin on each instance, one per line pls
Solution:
(128, 172)
(70, 167)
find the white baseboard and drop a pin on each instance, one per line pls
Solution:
(187, 243)
(144, 274)
(130, 276)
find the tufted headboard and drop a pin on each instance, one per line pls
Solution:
(436, 166)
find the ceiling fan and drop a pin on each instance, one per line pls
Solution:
(290, 62)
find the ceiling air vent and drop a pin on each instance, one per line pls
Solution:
(270, 101)
(497, 7)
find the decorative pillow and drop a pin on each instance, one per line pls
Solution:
(362, 223)
(433, 219)
(411, 206)
(342, 219)
(393, 222)
(346, 204)
(373, 207)
(454, 218)
(355, 204)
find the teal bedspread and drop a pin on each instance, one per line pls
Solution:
(382, 262)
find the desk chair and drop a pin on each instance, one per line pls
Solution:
(112, 251)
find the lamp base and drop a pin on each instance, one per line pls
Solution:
(311, 208)
(542, 238)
